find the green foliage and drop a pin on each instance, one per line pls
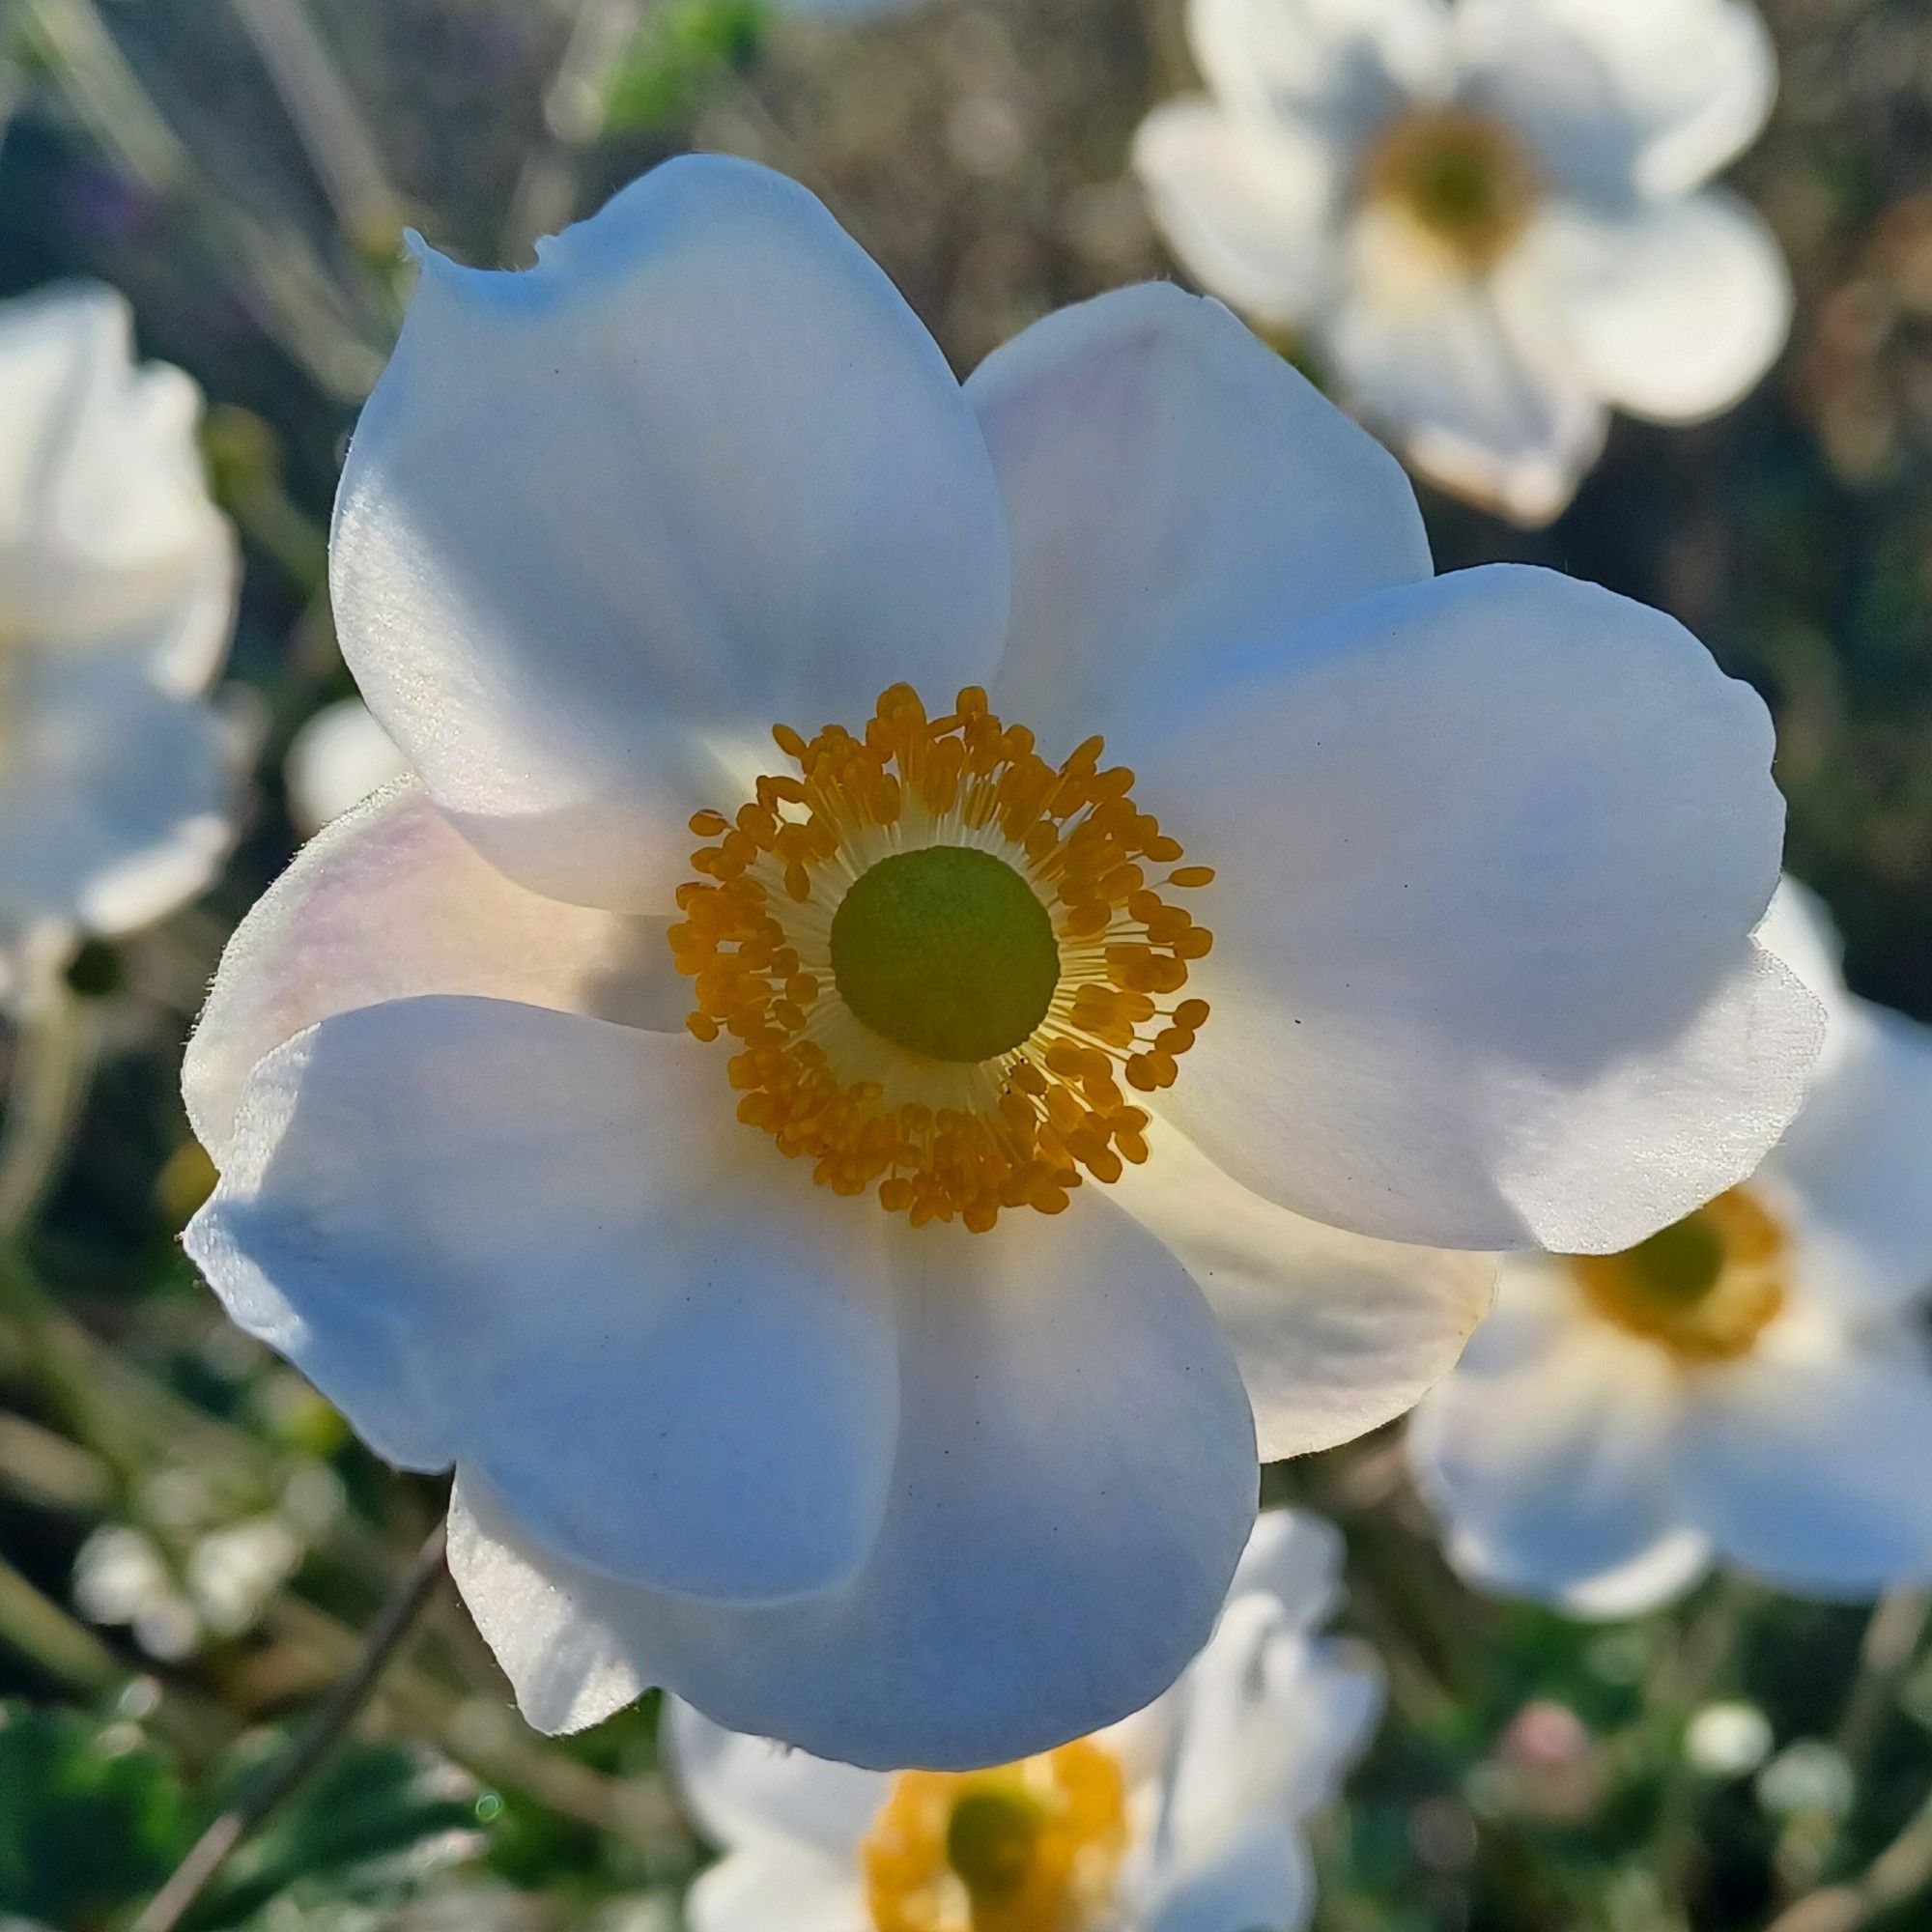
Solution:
(681, 55)
(370, 1827)
(91, 1817)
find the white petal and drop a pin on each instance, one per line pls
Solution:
(1859, 1163)
(1660, 1575)
(1810, 1469)
(534, 1244)
(1263, 1882)
(1678, 308)
(1075, 1482)
(1247, 205)
(1547, 1454)
(1472, 377)
(109, 538)
(1178, 494)
(1490, 849)
(1651, 94)
(771, 1888)
(1798, 928)
(1348, 62)
(1295, 1559)
(389, 902)
(335, 761)
(115, 796)
(745, 1790)
(1335, 1333)
(1271, 1721)
(604, 523)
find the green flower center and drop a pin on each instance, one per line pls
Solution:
(1460, 177)
(1704, 1288)
(947, 952)
(991, 1841)
(1678, 1266)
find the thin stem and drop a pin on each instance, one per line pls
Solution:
(545, 196)
(36, 1626)
(1898, 1874)
(337, 139)
(1885, 1659)
(339, 1711)
(284, 286)
(49, 1081)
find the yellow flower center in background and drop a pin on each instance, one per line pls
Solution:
(944, 960)
(1705, 1287)
(1028, 1847)
(1461, 179)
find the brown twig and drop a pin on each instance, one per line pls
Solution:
(339, 1711)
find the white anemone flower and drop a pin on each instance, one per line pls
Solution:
(338, 757)
(1751, 1385)
(850, 1262)
(117, 595)
(1488, 215)
(1187, 1817)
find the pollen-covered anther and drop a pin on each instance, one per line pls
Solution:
(948, 964)
(1028, 1847)
(1705, 1287)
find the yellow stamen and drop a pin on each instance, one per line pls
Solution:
(1705, 1287)
(941, 959)
(1461, 179)
(1028, 1847)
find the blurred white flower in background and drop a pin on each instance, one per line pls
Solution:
(202, 1562)
(557, 1150)
(117, 597)
(1750, 1385)
(123, 1576)
(337, 759)
(1489, 216)
(1728, 1739)
(1187, 1817)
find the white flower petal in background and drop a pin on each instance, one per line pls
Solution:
(1809, 1466)
(1670, 307)
(1544, 1446)
(1187, 1817)
(1248, 204)
(1655, 94)
(791, 1347)
(337, 759)
(1489, 215)
(117, 595)
(1751, 1387)
(1354, 59)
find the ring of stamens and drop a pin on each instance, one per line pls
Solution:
(1703, 1288)
(1460, 178)
(1028, 1847)
(937, 1138)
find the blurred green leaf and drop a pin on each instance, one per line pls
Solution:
(92, 1817)
(680, 56)
(370, 1825)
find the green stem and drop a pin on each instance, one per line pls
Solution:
(44, 1096)
(38, 1629)
(337, 1713)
